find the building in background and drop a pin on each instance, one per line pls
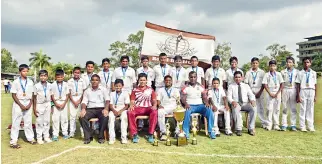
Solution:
(309, 48)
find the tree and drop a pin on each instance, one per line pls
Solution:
(39, 60)
(317, 62)
(224, 51)
(279, 53)
(68, 68)
(8, 65)
(263, 64)
(131, 48)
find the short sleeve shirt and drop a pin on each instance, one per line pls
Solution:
(254, 78)
(179, 77)
(230, 75)
(217, 96)
(165, 100)
(305, 78)
(143, 98)
(119, 100)
(149, 72)
(219, 73)
(289, 77)
(77, 87)
(95, 98)
(17, 88)
(60, 91)
(43, 92)
(200, 73)
(160, 73)
(273, 80)
(194, 94)
(106, 79)
(127, 75)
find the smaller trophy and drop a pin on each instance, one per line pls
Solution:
(194, 130)
(168, 141)
(156, 142)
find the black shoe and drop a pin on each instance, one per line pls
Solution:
(97, 132)
(251, 132)
(101, 141)
(217, 135)
(87, 141)
(239, 133)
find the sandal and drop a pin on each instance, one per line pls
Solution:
(32, 142)
(15, 146)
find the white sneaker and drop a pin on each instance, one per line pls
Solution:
(303, 130)
(311, 130)
(276, 127)
(111, 142)
(48, 140)
(40, 142)
(124, 141)
(268, 128)
(228, 132)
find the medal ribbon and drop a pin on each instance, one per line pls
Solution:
(290, 75)
(254, 77)
(23, 87)
(274, 77)
(215, 74)
(76, 85)
(177, 73)
(60, 89)
(108, 77)
(217, 95)
(163, 70)
(124, 69)
(45, 89)
(168, 92)
(307, 76)
(117, 96)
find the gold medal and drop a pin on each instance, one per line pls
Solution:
(59, 97)
(291, 85)
(115, 106)
(76, 94)
(24, 94)
(307, 84)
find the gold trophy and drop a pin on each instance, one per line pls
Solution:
(156, 142)
(179, 116)
(194, 130)
(168, 141)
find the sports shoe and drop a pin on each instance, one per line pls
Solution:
(217, 133)
(311, 129)
(124, 141)
(111, 141)
(55, 138)
(251, 132)
(135, 138)
(150, 138)
(228, 132)
(239, 133)
(276, 127)
(212, 135)
(71, 135)
(48, 140)
(163, 137)
(101, 141)
(66, 137)
(283, 128)
(293, 128)
(303, 130)
(40, 141)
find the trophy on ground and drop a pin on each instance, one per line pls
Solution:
(194, 130)
(156, 142)
(179, 116)
(168, 141)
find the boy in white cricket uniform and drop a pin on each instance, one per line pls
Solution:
(217, 98)
(106, 75)
(76, 87)
(273, 82)
(126, 73)
(42, 107)
(178, 73)
(60, 94)
(230, 72)
(147, 70)
(254, 78)
(167, 101)
(22, 89)
(90, 66)
(215, 72)
(306, 94)
(161, 70)
(289, 94)
(119, 103)
(194, 67)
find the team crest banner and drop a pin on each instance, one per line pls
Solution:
(158, 39)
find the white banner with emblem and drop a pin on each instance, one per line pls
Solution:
(158, 39)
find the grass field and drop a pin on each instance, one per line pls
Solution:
(265, 147)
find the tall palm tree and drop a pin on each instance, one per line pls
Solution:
(39, 59)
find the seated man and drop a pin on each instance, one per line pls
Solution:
(143, 103)
(94, 105)
(193, 96)
(242, 99)
(167, 97)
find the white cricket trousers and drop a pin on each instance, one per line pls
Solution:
(273, 110)
(74, 114)
(17, 116)
(60, 118)
(307, 108)
(111, 125)
(260, 106)
(226, 116)
(289, 102)
(43, 120)
(161, 118)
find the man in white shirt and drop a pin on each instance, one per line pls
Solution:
(106, 75)
(289, 94)
(161, 71)
(306, 82)
(254, 78)
(194, 98)
(215, 71)
(230, 72)
(194, 67)
(273, 82)
(6, 85)
(167, 102)
(90, 66)
(242, 99)
(178, 73)
(95, 104)
(147, 70)
(126, 73)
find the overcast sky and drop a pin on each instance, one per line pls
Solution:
(75, 31)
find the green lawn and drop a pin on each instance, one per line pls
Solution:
(265, 143)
